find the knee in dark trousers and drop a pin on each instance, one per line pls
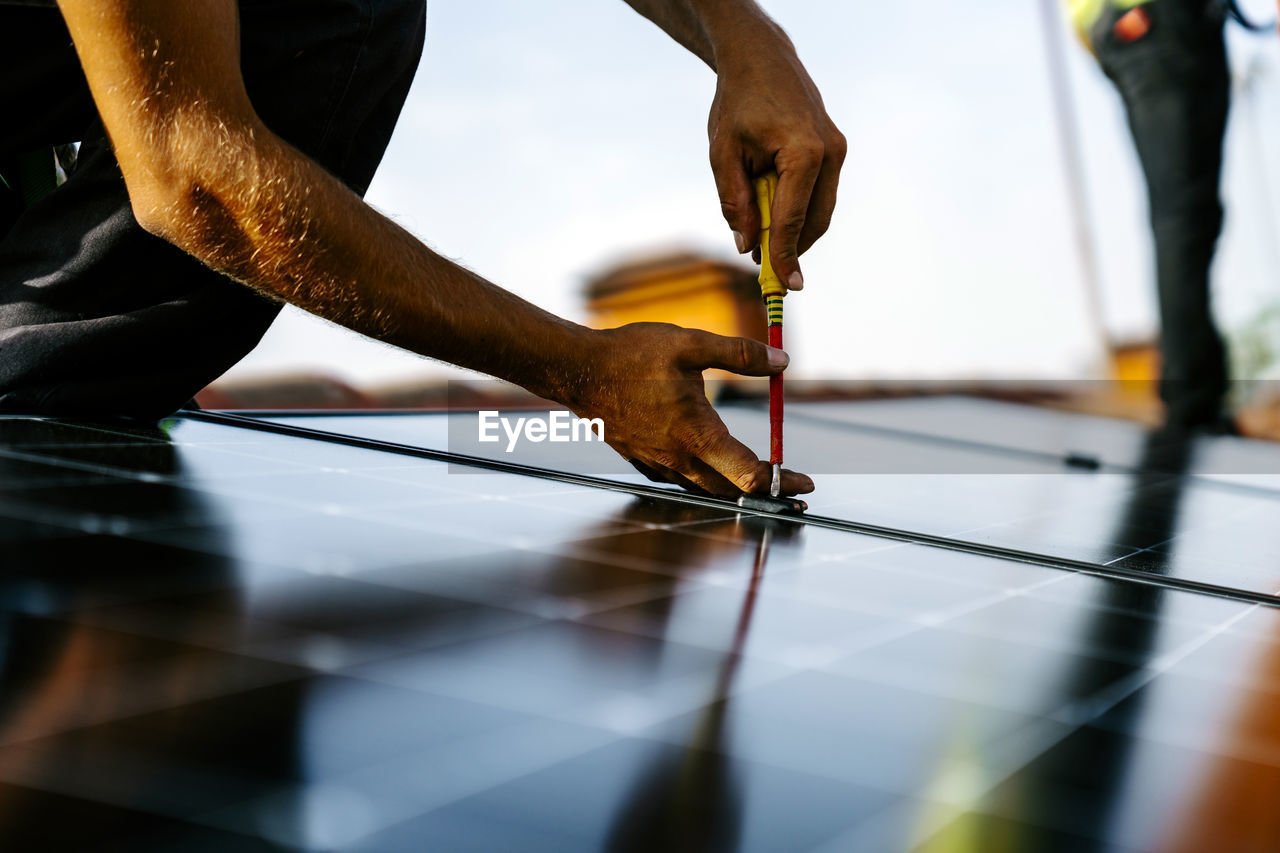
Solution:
(99, 318)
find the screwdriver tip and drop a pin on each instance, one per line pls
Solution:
(775, 484)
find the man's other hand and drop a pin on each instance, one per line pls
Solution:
(767, 115)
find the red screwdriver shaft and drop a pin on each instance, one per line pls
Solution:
(772, 290)
(775, 395)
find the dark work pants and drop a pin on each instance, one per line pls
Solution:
(1174, 83)
(99, 318)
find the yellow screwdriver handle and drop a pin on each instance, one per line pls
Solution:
(766, 189)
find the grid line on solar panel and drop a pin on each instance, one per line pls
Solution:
(395, 790)
(137, 686)
(20, 428)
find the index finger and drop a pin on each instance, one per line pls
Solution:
(797, 175)
(821, 205)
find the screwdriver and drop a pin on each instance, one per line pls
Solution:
(772, 289)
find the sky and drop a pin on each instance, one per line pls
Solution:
(537, 149)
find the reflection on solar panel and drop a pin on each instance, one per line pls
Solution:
(216, 636)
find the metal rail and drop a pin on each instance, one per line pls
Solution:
(640, 490)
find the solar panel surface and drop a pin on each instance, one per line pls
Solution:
(216, 637)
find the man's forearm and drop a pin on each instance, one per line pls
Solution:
(205, 173)
(707, 28)
(258, 210)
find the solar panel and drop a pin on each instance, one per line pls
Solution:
(219, 637)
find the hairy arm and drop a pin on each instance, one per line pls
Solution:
(205, 173)
(767, 116)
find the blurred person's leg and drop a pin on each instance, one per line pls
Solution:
(99, 318)
(1173, 79)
